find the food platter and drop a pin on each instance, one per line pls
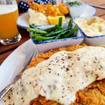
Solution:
(44, 14)
(88, 12)
(58, 74)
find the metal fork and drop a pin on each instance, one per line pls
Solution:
(4, 91)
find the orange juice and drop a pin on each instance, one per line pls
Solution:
(8, 18)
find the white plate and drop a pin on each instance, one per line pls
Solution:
(23, 21)
(83, 11)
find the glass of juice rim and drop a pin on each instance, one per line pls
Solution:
(8, 22)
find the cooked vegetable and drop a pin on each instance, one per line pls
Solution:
(59, 26)
(75, 29)
(37, 30)
(53, 28)
(70, 24)
(74, 3)
(61, 35)
(38, 37)
(55, 32)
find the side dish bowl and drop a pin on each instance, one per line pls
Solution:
(61, 42)
(93, 29)
(58, 35)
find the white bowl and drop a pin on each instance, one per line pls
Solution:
(82, 11)
(95, 41)
(50, 44)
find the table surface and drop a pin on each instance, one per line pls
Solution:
(5, 51)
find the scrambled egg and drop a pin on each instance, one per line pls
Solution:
(94, 26)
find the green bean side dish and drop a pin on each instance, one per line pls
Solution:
(53, 33)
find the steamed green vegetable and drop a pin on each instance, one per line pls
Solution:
(38, 37)
(74, 3)
(35, 30)
(70, 24)
(55, 32)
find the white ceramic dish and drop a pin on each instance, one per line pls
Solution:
(23, 22)
(97, 40)
(62, 42)
(76, 40)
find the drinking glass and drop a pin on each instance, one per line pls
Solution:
(8, 22)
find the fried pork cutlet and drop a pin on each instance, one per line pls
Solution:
(86, 90)
(94, 94)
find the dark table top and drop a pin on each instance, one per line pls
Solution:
(5, 51)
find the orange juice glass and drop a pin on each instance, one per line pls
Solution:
(8, 17)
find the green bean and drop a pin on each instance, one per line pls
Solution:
(75, 29)
(61, 34)
(55, 33)
(72, 32)
(59, 26)
(38, 37)
(51, 29)
(70, 24)
(60, 22)
(32, 26)
(69, 34)
(37, 31)
(74, 3)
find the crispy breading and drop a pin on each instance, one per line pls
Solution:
(94, 94)
(44, 56)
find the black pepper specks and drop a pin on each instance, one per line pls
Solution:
(9, 97)
(49, 68)
(100, 67)
(69, 57)
(58, 74)
(30, 83)
(71, 75)
(78, 58)
(49, 72)
(67, 69)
